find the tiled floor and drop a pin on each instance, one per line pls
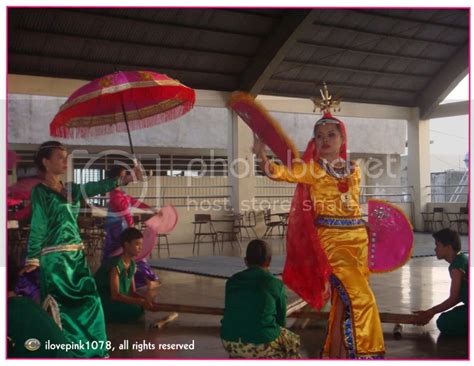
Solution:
(420, 284)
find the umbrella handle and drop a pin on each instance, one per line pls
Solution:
(146, 177)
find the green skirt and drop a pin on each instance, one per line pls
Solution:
(69, 293)
(119, 312)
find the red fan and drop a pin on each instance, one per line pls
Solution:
(264, 126)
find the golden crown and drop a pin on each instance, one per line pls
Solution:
(326, 102)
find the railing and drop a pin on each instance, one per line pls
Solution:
(281, 195)
(192, 196)
(448, 195)
(459, 189)
(404, 195)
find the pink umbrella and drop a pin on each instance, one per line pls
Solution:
(141, 99)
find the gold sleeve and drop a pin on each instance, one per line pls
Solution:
(299, 172)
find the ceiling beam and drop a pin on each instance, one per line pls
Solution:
(267, 13)
(193, 79)
(59, 87)
(337, 85)
(347, 49)
(364, 101)
(274, 48)
(127, 44)
(382, 35)
(416, 21)
(293, 64)
(113, 66)
(74, 16)
(287, 104)
(450, 110)
(150, 22)
(444, 82)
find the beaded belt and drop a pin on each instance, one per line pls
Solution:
(338, 221)
(63, 248)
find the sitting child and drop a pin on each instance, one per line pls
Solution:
(455, 321)
(116, 284)
(255, 311)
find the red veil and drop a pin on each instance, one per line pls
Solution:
(307, 268)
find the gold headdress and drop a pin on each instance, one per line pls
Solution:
(326, 102)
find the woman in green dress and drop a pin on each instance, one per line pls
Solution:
(68, 290)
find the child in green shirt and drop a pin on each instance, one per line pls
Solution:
(116, 284)
(255, 311)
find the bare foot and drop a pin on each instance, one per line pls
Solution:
(153, 284)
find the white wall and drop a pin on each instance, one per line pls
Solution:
(29, 117)
(203, 127)
(365, 135)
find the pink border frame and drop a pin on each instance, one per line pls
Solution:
(227, 7)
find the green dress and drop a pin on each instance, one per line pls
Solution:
(68, 289)
(116, 311)
(26, 320)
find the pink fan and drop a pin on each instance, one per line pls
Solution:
(157, 224)
(149, 240)
(391, 237)
(264, 126)
(164, 223)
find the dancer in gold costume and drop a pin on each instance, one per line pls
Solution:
(327, 241)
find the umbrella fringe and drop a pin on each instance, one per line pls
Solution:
(100, 130)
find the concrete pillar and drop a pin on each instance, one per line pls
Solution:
(419, 164)
(241, 176)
